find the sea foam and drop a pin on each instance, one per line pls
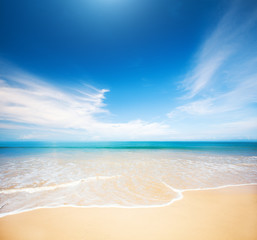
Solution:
(115, 178)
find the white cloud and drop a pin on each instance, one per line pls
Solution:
(200, 107)
(238, 98)
(220, 50)
(131, 130)
(203, 73)
(243, 125)
(220, 90)
(28, 137)
(37, 104)
(25, 99)
(243, 129)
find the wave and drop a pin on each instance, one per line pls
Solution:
(179, 192)
(54, 187)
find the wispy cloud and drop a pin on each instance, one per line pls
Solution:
(243, 129)
(240, 97)
(220, 90)
(205, 70)
(36, 103)
(221, 49)
(244, 125)
(25, 99)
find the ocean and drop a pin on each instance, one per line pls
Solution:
(117, 174)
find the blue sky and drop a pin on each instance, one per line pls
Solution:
(88, 70)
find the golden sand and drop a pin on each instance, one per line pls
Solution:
(229, 213)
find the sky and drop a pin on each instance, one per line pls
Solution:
(128, 70)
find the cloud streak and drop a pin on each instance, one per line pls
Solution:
(25, 99)
(36, 103)
(227, 41)
(238, 98)
(219, 91)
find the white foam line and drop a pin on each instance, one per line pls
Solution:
(179, 191)
(219, 187)
(63, 185)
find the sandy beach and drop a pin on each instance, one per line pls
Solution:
(227, 213)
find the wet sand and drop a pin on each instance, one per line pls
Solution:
(227, 213)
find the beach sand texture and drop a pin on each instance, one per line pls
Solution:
(227, 213)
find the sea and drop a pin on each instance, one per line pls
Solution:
(117, 174)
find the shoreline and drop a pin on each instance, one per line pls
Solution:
(224, 213)
(179, 191)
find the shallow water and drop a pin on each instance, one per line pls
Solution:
(117, 174)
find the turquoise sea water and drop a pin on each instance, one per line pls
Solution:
(117, 174)
(230, 147)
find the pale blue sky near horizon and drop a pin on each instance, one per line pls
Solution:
(103, 70)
